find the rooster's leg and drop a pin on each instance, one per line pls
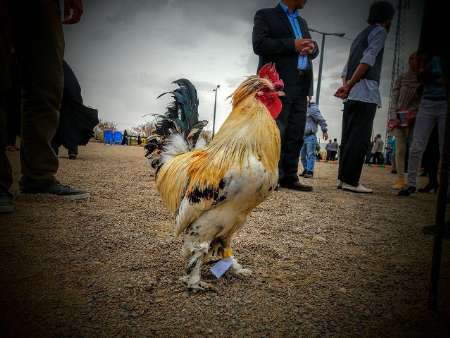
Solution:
(236, 268)
(196, 252)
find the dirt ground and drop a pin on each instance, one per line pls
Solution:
(326, 263)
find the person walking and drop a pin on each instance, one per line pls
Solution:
(432, 112)
(32, 36)
(390, 150)
(281, 36)
(334, 150)
(405, 102)
(360, 90)
(308, 151)
(328, 149)
(124, 138)
(377, 150)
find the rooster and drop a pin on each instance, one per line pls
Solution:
(212, 188)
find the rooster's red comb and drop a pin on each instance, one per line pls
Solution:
(268, 71)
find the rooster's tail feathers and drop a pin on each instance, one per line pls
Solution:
(178, 129)
(176, 145)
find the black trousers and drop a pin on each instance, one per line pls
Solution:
(357, 123)
(331, 155)
(291, 123)
(377, 158)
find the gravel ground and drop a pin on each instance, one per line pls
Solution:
(326, 263)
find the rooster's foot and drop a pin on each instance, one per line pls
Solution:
(201, 286)
(237, 269)
(242, 272)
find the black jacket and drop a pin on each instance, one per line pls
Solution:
(274, 41)
(77, 121)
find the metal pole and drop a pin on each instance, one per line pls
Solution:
(319, 80)
(322, 52)
(215, 108)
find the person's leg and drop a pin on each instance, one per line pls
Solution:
(375, 158)
(282, 122)
(346, 128)
(358, 140)
(400, 137)
(5, 167)
(425, 121)
(380, 158)
(310, 153)
(6, 86)
(440, 110)
(72, 151)
(303, 155)
(293, 138)
(394, 164)
(40, 50)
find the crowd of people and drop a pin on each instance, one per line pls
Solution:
(34, 44)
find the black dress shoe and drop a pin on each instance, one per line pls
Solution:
(407, 191)
(296, 185)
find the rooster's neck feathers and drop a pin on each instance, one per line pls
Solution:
(249, 131)
(252, 85)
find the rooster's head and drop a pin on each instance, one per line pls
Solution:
(270, 94)
(266, 87)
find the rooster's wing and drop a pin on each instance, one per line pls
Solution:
(199, 200)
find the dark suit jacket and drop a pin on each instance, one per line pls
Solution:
(273, 41)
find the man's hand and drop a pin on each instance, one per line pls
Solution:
(325, 135)
(343, 91)
(304, 46)
(73, 9)
(393, 123)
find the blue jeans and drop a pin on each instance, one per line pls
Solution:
(308, 152)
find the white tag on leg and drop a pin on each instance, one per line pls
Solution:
(221, 267)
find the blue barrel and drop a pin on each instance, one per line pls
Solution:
(108, 136)
(118, 137)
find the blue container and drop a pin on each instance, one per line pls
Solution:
(118, 137)
(108, 136)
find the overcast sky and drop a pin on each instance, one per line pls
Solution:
(126, 52)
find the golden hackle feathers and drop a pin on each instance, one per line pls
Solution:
(250, 86)
(249, 131)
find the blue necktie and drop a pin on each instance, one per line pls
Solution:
(302, 59)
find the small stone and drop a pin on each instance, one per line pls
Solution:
(319, 238)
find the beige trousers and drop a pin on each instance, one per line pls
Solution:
(401, 136)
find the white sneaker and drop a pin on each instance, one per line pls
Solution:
(339, 184)
(359, 189)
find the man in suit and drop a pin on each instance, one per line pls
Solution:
(281, 36)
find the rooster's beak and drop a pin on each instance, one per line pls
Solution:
(281, 93)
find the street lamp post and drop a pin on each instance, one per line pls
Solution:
(322, 52)
(215, 108)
